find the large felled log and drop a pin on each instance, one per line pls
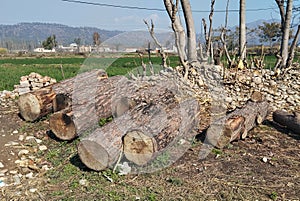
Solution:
(236, 124)
(91, 102)
(290, 121)
(39, 103)
(153, 124)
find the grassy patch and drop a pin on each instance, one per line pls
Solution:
(11, 69)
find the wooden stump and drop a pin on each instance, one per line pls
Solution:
(39, 103)
(288, 120)
(237, 124)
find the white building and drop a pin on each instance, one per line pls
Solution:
(43, 50)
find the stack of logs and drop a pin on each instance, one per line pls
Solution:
(149, 114)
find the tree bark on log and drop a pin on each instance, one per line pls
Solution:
(90, 103)
(36, 104)
(154, 123)
(290, 121)
(237, 124)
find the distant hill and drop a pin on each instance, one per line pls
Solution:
(30, 35)
(22, 35)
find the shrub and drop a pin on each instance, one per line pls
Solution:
(3, 50)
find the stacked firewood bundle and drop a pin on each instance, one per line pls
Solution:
(32, 82)
(151, 115)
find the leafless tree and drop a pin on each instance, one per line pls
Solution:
(208, 35)
(286, 54)
(242, 35)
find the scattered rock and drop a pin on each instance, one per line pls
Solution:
(29, 175)
(1, 165)
(23, 152)
(83, 182)
(2, 183)
(43, 148)
(265, 159)
(11, 143)
(32, 190)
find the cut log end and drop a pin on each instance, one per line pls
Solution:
(29, 107)
(138, 147)
(93, 155)
(36, 104)
(62, 126)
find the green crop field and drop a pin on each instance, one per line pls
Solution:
(11, 69)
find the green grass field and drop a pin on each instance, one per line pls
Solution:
(11, 69)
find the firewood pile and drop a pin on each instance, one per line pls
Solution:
(32, 82)
(151, 113)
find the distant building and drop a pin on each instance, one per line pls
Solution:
(43, 50)
(131, 49)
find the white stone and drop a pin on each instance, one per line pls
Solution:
(257, 80)
(21, 137)
(2, 184)
(15, 132)
(1, 165)
(83, 182)
(264, 159)
(13, 172)
(38, 141)
(11, 143)
(43, 148)
(29, 175)
(23, 152)
(29, 138)
(45, 168)
(32, 190)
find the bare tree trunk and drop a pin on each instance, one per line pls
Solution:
(190, 27)
(286, 33)
(292, 49)
(177, 28)
(242, 50)
(280, 4)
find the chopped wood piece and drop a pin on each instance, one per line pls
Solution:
(237, 124)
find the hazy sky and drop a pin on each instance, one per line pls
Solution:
(74, 14)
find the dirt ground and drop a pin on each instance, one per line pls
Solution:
(264, 166)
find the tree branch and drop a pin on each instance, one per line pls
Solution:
(162, 52)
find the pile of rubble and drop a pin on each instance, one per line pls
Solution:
(29, 166)
(281, 91)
